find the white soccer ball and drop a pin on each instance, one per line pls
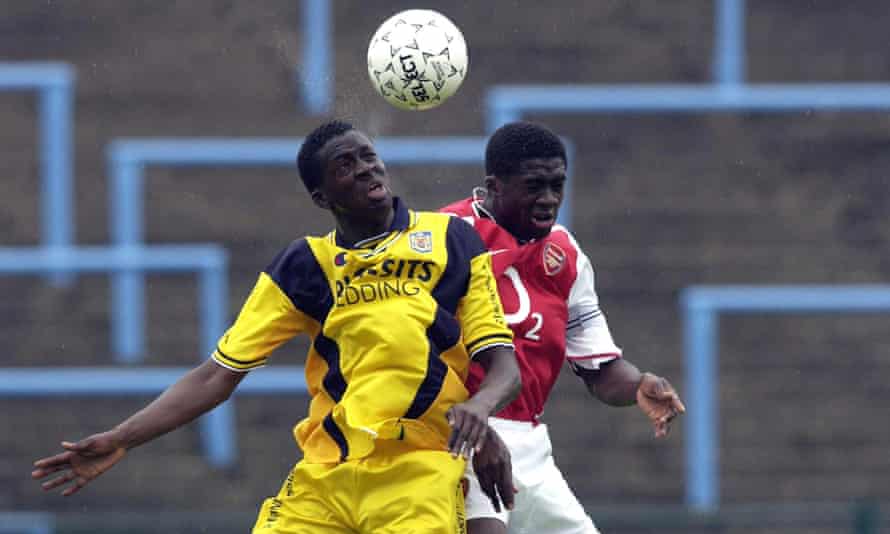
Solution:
(417, 59)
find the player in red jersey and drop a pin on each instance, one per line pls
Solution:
(546, 284)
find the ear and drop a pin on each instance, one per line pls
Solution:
(492, 185)
(320, 200)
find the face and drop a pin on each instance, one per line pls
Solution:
(355, 183)
(526, 204)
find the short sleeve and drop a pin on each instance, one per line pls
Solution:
(589, 342)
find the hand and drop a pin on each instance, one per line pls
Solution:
(469, 427)
(82, 462)
(658, 400)
(495, 472)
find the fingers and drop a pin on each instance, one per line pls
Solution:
(43, 471)
(58, 481)
(476, 438)
(63, 479)
(79, 482)
(505, 486)
(487, 485)
(454, 440)
(467, 433)
(62, 459)
(678, 405)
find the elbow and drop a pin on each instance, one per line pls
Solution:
(515, 387)
(514, 382)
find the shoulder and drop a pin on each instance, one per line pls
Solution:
(460, 236)
(562, 242)
(295, 261)
(461, 208)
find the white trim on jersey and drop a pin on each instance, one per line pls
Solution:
(589, 342)
(230, 368)
(490, 345)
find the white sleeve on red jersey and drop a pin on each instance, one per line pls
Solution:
(589, 342)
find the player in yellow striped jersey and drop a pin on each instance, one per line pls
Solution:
(396, 303)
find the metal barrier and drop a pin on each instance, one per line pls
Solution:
(510, 103)
(26, 523)
(218, 431)
(209, 261)
(316, 75)
(701, 307)
(127, 159)
(54, 83)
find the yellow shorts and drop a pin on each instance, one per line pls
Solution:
(416, 492)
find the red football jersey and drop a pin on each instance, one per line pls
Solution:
(550, 302)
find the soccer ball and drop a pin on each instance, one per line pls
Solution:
(417, 59)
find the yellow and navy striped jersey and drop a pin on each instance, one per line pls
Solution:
(393, 321)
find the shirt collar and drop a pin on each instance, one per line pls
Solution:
(401, 220)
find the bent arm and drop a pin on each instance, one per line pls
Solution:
(502, 381)
(198, 391)
(615, 382)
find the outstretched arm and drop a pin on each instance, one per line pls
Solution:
(620, 383)
(197, 392)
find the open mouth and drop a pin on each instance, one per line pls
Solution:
(376, 191)
(544, 219)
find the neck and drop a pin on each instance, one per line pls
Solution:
(488, 206)
(352, 230)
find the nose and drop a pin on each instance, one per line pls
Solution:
(363, 170)
(549, 197)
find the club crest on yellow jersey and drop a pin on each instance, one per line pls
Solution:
(421, 241)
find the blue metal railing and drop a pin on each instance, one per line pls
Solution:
(208, 261)
(702, 307)
(729, 42)
(27, 382)
(127, 159)
(54, 83)
(316, 74)
(510, 103)
(26, 523)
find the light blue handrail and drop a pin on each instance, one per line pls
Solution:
(701, 308)
(210, 262)
(511, 102)
(54, 83)
(316, 74)
(44, 382)
(127, 159)
(26, 523)
(729, 42)
(218, 429)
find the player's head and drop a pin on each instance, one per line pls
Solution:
(341, 170)
(525, 166)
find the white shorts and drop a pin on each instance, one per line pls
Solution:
(544, 502)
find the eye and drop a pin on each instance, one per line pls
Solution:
(535, 186)
(343, 167)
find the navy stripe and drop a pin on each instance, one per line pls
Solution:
(463, 244)
(331, 428)
(430, 387)
(333, 381)
(443, 334)
(301, 278)
(580, 319)
(236, 360)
